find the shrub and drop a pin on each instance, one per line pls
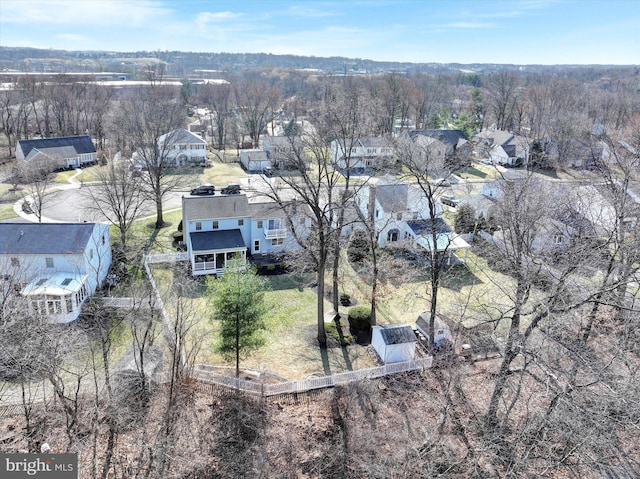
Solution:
(360, 317)
(358, 248)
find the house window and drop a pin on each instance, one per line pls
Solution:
(198, 225)
(91, 253)
(15, 262)
(377, 213)
(558, 239)
(240, 222)
(103, 240)
(277, 241)
(259, 224)
(49, 262)
(256, 245)
(214, 225)
(301, 220)
(392, 235)
(399, 216)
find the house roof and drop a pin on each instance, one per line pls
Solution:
(397, 334)
(213, 207)
(375, 141)
(423, 227)
(66, 146)
(59, 284)
(216, 240)
(282, 141)
(392, 198)
(44, 238)
(182, 136)
(448, 137)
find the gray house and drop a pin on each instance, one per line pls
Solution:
(55, 153)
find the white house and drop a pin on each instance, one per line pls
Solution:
(502, 147)
(283, 152)
(364, 154)
(401, 213)
(221, 227)
(255, 160)
(54, 153)
(181, 147)
(394, 343)
(56, 266)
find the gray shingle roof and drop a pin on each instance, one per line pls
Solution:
(79, 144)
(211, 240)
(448, 137)
(397, 334)
(182, 136)
(214, 207)
(44, 238)
(376, 141)
(392, 198)
(423, 227)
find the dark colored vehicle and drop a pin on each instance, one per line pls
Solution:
(230, 190)
(204, 190)
(449, 200)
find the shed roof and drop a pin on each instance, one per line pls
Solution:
(44, 238)
(397, 334)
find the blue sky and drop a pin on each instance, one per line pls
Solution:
(444, 31)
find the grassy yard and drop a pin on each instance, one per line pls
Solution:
(7, 198)
(291, 349)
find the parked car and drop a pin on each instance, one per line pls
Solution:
(449, 200)
(441, 182)
(205, 189)
(230, 190)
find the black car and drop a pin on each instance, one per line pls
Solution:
(449, 200)
(204, 190)
(230, 190)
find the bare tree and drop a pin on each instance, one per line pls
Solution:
(117, 196)
(219, 100)
(153, 112)
(257, 101)
(37, 188)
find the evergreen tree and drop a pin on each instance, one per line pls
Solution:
(237, 300)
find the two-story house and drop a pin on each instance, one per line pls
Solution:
(56, 153)
(181, 147)
(500, 147)
(283, 152)
(400, 213)
(221, 227)
(365, 154)
(439, 149)
(54, 266)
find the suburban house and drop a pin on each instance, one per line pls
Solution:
(401, 214)
(283, 152)
(181, 147)
(56, 153)
(394, 343)
(255, 160)
(500, 147)
(221, 227)
(56, 266)
(365, 154)
(443, 149)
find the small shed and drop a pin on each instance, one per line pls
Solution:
(441, 329)
(395, 343)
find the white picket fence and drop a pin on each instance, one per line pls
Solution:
(310, 384)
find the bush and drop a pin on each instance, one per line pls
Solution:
(360, 317)
(358, 248)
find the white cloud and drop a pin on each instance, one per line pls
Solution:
(207, 17)
(84, 13)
